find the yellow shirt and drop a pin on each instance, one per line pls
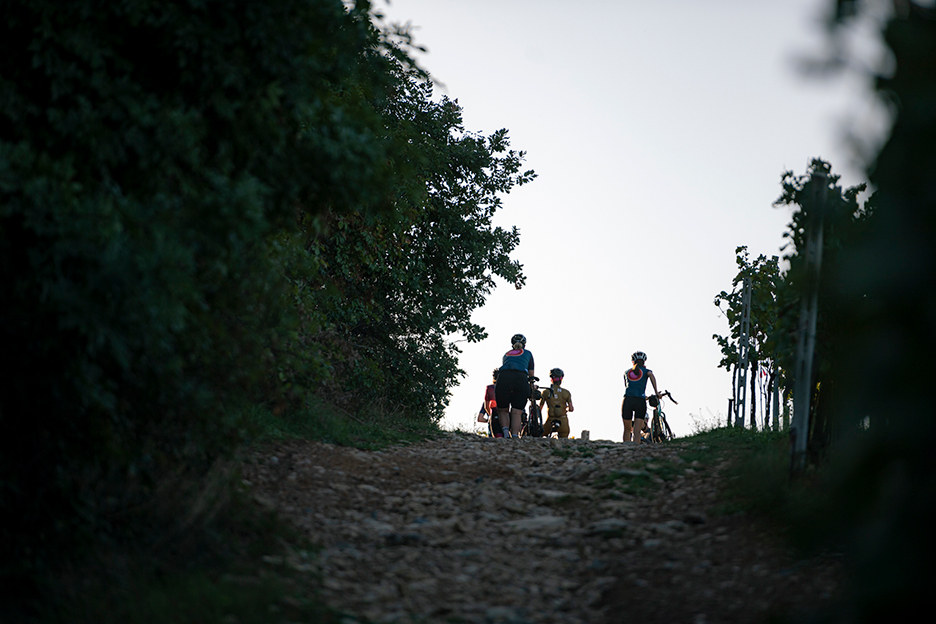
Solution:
(557, 401)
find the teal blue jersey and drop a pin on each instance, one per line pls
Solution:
(636, 381)
(517, 359)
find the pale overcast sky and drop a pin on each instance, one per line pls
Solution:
(659, 132)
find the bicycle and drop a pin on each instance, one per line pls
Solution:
(531, 424)
(659, 429)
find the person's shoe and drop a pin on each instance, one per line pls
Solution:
(506, 432)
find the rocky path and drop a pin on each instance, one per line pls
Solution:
(472, 529)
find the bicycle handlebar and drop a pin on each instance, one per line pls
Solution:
(666, 393)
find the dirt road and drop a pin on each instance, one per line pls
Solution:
(471, 529)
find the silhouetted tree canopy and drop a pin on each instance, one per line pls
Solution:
(886, 490)
(206, 205)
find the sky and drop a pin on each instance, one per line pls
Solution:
(659, 132)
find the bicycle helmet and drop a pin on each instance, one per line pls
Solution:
(518, 338)
(639, 356)
(556, 372)
(653, 400)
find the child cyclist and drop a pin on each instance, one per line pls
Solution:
(559, 402)
(634, 407)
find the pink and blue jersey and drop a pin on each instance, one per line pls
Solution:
(636, 381)
(517, 359)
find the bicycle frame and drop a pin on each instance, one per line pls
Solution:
(659, 429)
(531, 423)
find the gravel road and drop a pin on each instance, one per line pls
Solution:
(477, 530)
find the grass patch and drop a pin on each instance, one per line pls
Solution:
(798, 508)
(199, 596)
(643, 480)
(664, 470)
(233, 563)
(576, 451)
(757, 480)
(633, 482)
(237, 566)
(711, 447)
(372, 430)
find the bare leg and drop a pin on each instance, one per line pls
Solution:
(503, 417)
(627, 430)
(638, 427)
(515, 422)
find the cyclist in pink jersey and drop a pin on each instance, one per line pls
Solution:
(512, 390)
(634, 407)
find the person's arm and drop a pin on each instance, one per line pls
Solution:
(653, 381)
(571, 408)
(488, 399)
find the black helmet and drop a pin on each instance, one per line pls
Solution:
(518, 338)
(653, 400)
(556, 372)
(639, 356)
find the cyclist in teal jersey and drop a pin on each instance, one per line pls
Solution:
(634, 407)
(512, 390)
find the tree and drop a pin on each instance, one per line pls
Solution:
(885, 485)
(843, 220)
(764, 275)
(776, 293)
(156, 162)
(390, 290)
(207, 206)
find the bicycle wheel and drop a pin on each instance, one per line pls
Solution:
(535, 422)
(656, 430)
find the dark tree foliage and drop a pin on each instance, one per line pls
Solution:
(844, 220)
(201, 203)
(776, 292)
(886, 492)
(147, 150)
(765, 277)
(392, 289)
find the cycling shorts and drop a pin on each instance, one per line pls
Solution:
(634, 407)
(512, 389)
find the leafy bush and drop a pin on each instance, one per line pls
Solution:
(153, 159)
(214, 210)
